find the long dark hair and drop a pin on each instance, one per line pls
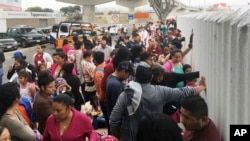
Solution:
(44, 79)
(9, 92)
(158, 127)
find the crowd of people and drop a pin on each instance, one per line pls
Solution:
(139, 89)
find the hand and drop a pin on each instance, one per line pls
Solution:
(190, 45)
(10, 68)
(203, 82)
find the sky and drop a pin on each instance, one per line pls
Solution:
(53, 4)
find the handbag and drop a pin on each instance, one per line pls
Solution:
(90, 86)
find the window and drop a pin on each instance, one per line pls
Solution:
(64, 28)
(55, 28)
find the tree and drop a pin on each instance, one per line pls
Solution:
(34, 9)
(48, 10)
(38, 9)
(162, 7)
(72, 13)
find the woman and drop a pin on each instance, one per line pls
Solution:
(4, 134)
(42, 100)
(66, 46)
(87, 67)
(74, 82)
(10, 117)
(66, 123)
(56, 69)
(175, 65)
(42, 57)
(78, 56)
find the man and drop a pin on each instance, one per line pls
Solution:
(140, 98)
(194, 116)
(2, 59)
(105, 49)
(135, 41)
(115, 86)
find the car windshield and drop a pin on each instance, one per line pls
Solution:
(46, 31)
(86, 32)
(3, 36)
(76, 32)
(28, 30)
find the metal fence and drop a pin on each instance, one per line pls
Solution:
(221, 51)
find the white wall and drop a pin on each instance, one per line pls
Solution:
(221, 51)
(3, 25)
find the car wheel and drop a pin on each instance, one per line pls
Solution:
(24, 43)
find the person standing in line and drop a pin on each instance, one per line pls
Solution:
(42, 102)
(66, 123)
(194, 116)
(158, 127)
(115, 84)
(139, 98)
(2, 59)
(74, 82)
(10, 116)
(42, 57)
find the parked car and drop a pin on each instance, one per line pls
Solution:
(45, 31)
(114, 28)
(26, 35)
(7, 43)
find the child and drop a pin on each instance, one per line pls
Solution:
(61, 86)
(27, 89)
(187, 69)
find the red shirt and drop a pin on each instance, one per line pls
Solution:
(38, 59)
(79, 128)
(209, 133)
(155, 51)
(109, 69)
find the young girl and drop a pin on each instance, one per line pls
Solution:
(27, 89)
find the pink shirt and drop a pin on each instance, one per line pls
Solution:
(79, 128)
(66, 48)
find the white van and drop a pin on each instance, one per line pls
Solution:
(53, 33)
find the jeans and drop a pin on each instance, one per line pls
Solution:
(1, 76)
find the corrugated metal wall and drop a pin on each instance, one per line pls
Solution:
(221, 51)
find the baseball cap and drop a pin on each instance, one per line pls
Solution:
(17, 54)
(127, 66)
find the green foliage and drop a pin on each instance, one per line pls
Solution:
(72, 13)
(38, 9)
(34, 9)
(48, 10)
